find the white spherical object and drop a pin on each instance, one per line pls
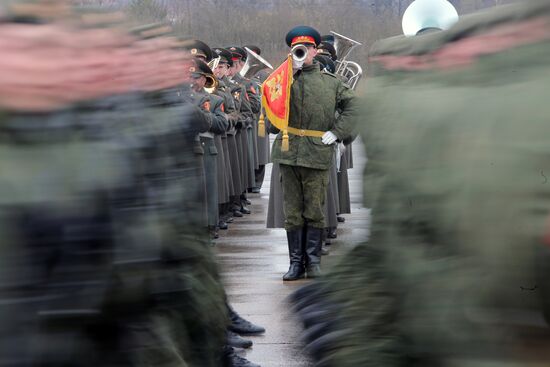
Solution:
(423, 14)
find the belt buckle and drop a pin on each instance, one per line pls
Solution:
(302, 132)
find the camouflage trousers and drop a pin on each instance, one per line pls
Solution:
(304, 193)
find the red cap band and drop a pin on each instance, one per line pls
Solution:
(235, 58)
(302, 39)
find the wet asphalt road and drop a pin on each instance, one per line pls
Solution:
(253, 260)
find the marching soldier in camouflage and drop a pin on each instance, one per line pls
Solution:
(455, 271)
(313, 130)
(99, 266)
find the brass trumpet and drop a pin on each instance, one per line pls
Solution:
(299, 55)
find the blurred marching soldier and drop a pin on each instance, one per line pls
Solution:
(94, 271)
(245, 123)
(306, 153)
(262, 141)
(460, 221)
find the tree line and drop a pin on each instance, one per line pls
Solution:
(222, 23)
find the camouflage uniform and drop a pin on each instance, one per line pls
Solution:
(315, 97)
(458, 143)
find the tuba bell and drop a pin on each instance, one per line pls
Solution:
(427, 15)
(349, 70)
(254, 63)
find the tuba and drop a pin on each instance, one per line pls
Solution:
(349, 70)
(254, 63)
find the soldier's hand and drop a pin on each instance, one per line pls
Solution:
(329, 138)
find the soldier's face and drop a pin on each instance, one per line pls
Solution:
(233, 69)
(311, 53)
(238, 66)
(198, 82)
(221, 70)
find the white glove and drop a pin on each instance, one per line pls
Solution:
(329, 138)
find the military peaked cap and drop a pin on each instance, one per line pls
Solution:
(224, 55)
(302, 35)
(328, 38)
(327, 49)
(198, 49)
(200, 68)
(238, 53)
(326, 63)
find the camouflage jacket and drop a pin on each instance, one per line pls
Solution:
(314, 99)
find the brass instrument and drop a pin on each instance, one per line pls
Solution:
(214, 63)
(349, 70)
(426, 15)
(254, 63)
(299, 55)
(211, 81)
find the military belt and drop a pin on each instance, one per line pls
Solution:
(304, 132)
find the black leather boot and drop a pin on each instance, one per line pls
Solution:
(296, 270)
(313, 251)
(332, 233)
(240, 325)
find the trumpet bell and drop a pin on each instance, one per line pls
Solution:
(428, 14)
(299, 53)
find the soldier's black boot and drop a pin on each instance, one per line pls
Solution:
(313, 251)
(245, 200)
(332, 233)
(231, 359)
(235, 340)
(240, 325)
(295, 252)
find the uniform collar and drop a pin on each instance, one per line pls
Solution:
(311, 68)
